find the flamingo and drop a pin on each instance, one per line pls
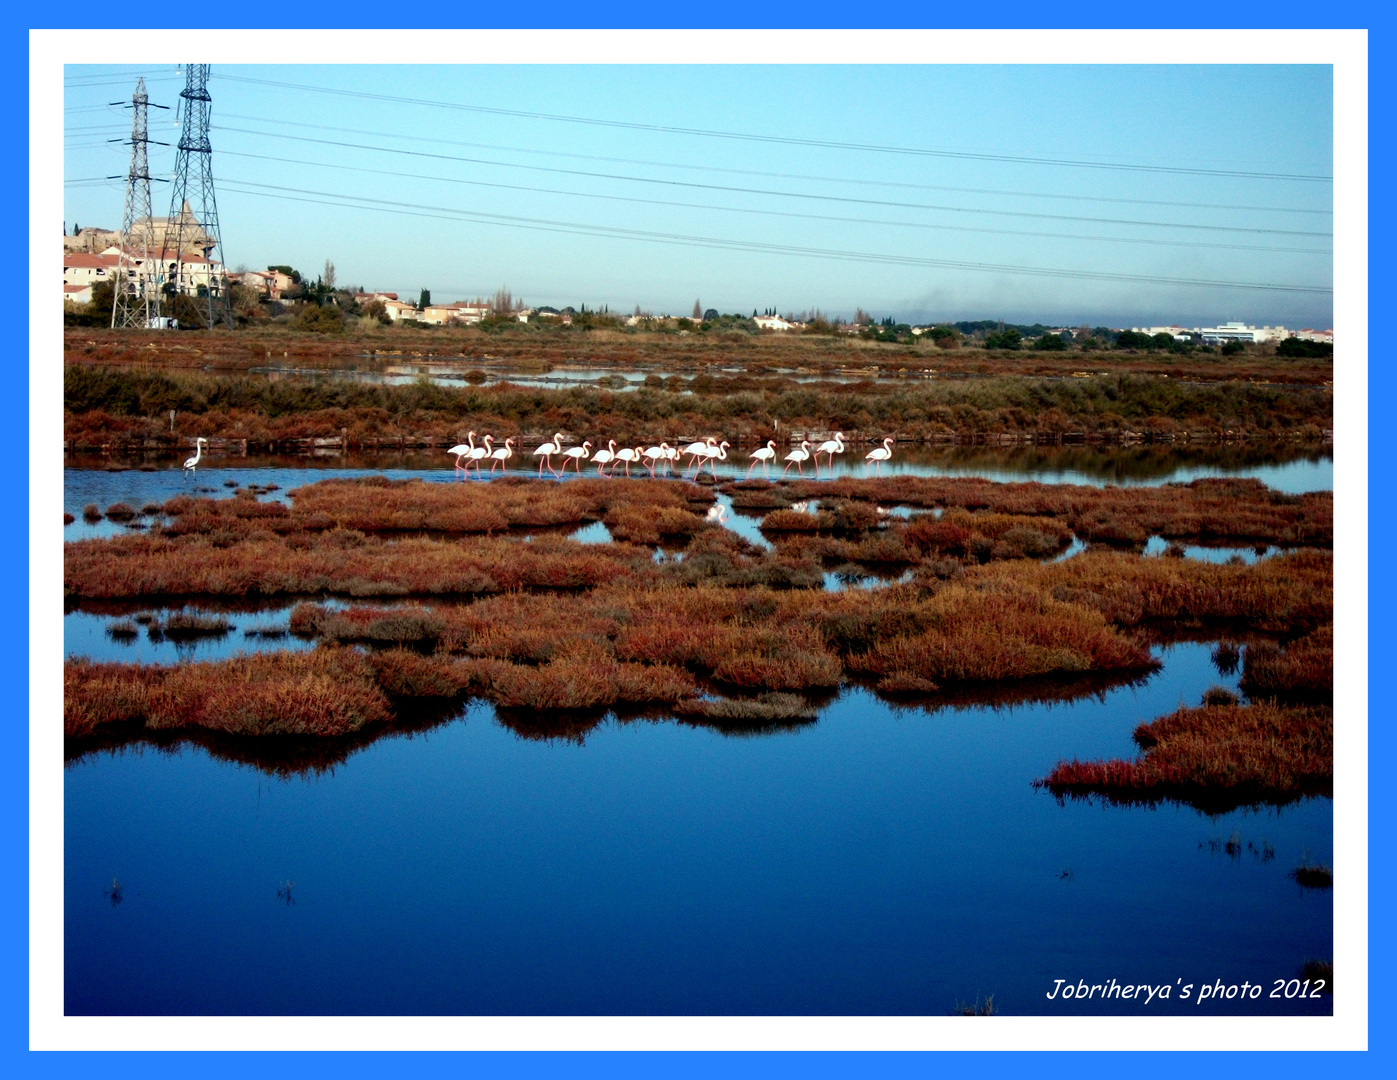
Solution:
(831, 447)
(605, 457)
(547, 450)
(478, 454)
(191, 465)
(578, 454)
(712, 454)
(462, 449)
(718, 513)
(655, 455)
(627, 456)
(502, 455)
(764, 455)
(671, 456)
(878, 456)
(697, 450)
(798, 458)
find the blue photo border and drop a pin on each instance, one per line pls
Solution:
(1017, 14)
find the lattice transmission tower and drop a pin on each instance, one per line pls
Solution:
(195, 224)
(136, 297)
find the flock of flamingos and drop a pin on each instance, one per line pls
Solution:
(656, 459)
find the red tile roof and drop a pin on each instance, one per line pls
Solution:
(80, 259)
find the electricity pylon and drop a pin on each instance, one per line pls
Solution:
(200, 225)
(134, 296)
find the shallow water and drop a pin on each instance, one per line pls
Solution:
(1157, 545)
(100, 481)
(879, 860)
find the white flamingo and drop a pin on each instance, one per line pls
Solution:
(763, 457)
(712, 455)
(479, 454)
(546, 451)
(718, 513)
(798, 458)
(655, 455)
(578, 454)
(880, 455)
(605, 457)
(831, 447)
(697, 450)
(627, 455)
(672, 455)
(462, 449)
(500, 457)
(192, 464)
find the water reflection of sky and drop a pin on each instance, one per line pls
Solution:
(879, 861)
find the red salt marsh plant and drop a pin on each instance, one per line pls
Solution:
(184, 625)
(324, 692)
(1207, 509)
(376, 504)
(341, 561)
(1285, 594)
(1304, 668)
(1216, 757)
(761, 639)
(984, 535)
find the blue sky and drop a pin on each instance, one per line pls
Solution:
(296, 169)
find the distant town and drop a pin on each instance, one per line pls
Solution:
(95, 263)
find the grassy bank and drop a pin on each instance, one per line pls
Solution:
(115, 407)
(540, 347)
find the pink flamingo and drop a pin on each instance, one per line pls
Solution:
(462, 449)
(711, 455)
(655, 455)
(546, 451)
(697, 450)
(627, 456)
(831, 447)
(880, 455)
(766, 454)
(502, 455)
(798, 458)
(605, 457)
(577, 454)
(478, 454)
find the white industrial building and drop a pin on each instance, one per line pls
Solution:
(1239, 331)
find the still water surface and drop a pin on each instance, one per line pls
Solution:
(879, 860)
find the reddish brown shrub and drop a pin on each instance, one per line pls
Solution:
(1216, 756)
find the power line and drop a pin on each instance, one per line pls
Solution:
(784, 175)
(780, 194)
(683, 240)
(781, 213)
(790, 140)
